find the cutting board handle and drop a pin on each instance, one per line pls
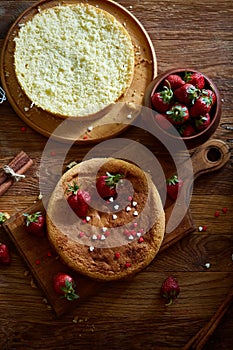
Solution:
(211, 156)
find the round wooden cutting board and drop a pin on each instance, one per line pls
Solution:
(109, 124)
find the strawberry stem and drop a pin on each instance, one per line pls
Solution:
(32, 217)
(73, 188)
(112, 180)
(69, 292)
(173, 180)
(170, 302)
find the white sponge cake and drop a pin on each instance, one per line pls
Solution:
(74, 59)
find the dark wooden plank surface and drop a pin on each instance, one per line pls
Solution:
(131, 315)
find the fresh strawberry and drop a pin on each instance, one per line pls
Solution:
(196, 79)
(174, 184)
(187, 130)
(210, 94)
(174, 81)
(162, 100)
(35, 224)
(202, 122)
(170, 289)
(162, 121)
(5, 256)
(78, 200)
(186, 94)
(64, 285)
(178, 114)
(106, 184)
(201, 106)
(3, 217)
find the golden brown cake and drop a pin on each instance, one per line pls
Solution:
(73, 59)
(118, 237)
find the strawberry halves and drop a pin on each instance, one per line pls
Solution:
(106, 184)
(78, 200)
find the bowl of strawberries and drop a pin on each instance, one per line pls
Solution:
(185, 104)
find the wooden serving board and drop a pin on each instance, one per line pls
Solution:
(108, 125)
(44, 263)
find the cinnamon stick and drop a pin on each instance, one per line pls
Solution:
(20, 164)
(201, 338)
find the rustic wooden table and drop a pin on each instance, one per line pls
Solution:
(131, 315)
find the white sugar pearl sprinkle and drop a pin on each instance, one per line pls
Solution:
(128, 208)
(88, 218)
(135, 213)
(207, 265)
(139, 234)
(102, 237)
(90, 128)
(91, 248)
(104, 229)
(131, 237)
(116, 207)
(114, 216)
(134, 203)
(94, 237)
(111, 199)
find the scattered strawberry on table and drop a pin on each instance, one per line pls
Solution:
(78, 200)
(174, 184)
(106, 184)
(5, 256)
(186, 100)
(64, 285)
(170, 290)
(35, 223)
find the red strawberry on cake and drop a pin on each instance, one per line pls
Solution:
(78, 200)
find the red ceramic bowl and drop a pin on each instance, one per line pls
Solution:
(200, 136)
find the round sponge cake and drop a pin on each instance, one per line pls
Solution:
(119, 236)
(73, 59)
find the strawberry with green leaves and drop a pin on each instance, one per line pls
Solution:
(187, 94)
(35, 224)
(178, 114)
(174, 81)
(187, 130)
(202, 122)
(195, 78)
(174, 185)
(209, 93)
(64, 285)
(106, 184)
(170, 290)
(5, 256)
(78, 200)
(162, 100)
(201, 106)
